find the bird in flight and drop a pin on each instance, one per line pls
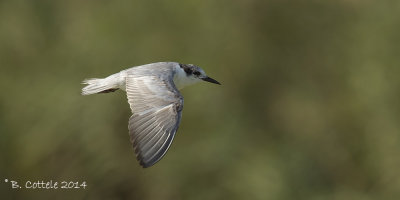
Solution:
(155, 102)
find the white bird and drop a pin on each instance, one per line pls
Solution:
(155, 102)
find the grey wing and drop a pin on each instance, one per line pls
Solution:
(156, 105)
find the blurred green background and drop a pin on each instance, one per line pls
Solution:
(308, 107)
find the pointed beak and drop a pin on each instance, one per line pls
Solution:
(208, 79)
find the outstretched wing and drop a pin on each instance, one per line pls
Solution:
(156, 105)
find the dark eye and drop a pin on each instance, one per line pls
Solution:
(196, 73)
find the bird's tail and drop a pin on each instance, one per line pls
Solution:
(98, 85)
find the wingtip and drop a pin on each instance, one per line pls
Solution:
(142, 163)
(144, 166)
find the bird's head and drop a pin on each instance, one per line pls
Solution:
(190, 74)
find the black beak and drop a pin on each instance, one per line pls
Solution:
(208, 79)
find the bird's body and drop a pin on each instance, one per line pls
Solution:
(155, 101)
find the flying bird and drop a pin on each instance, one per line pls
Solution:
(155, 101)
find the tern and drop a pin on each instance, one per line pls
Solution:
(155, 101)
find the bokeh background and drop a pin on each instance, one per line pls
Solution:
(308, 107)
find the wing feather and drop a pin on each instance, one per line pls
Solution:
(156, 105)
